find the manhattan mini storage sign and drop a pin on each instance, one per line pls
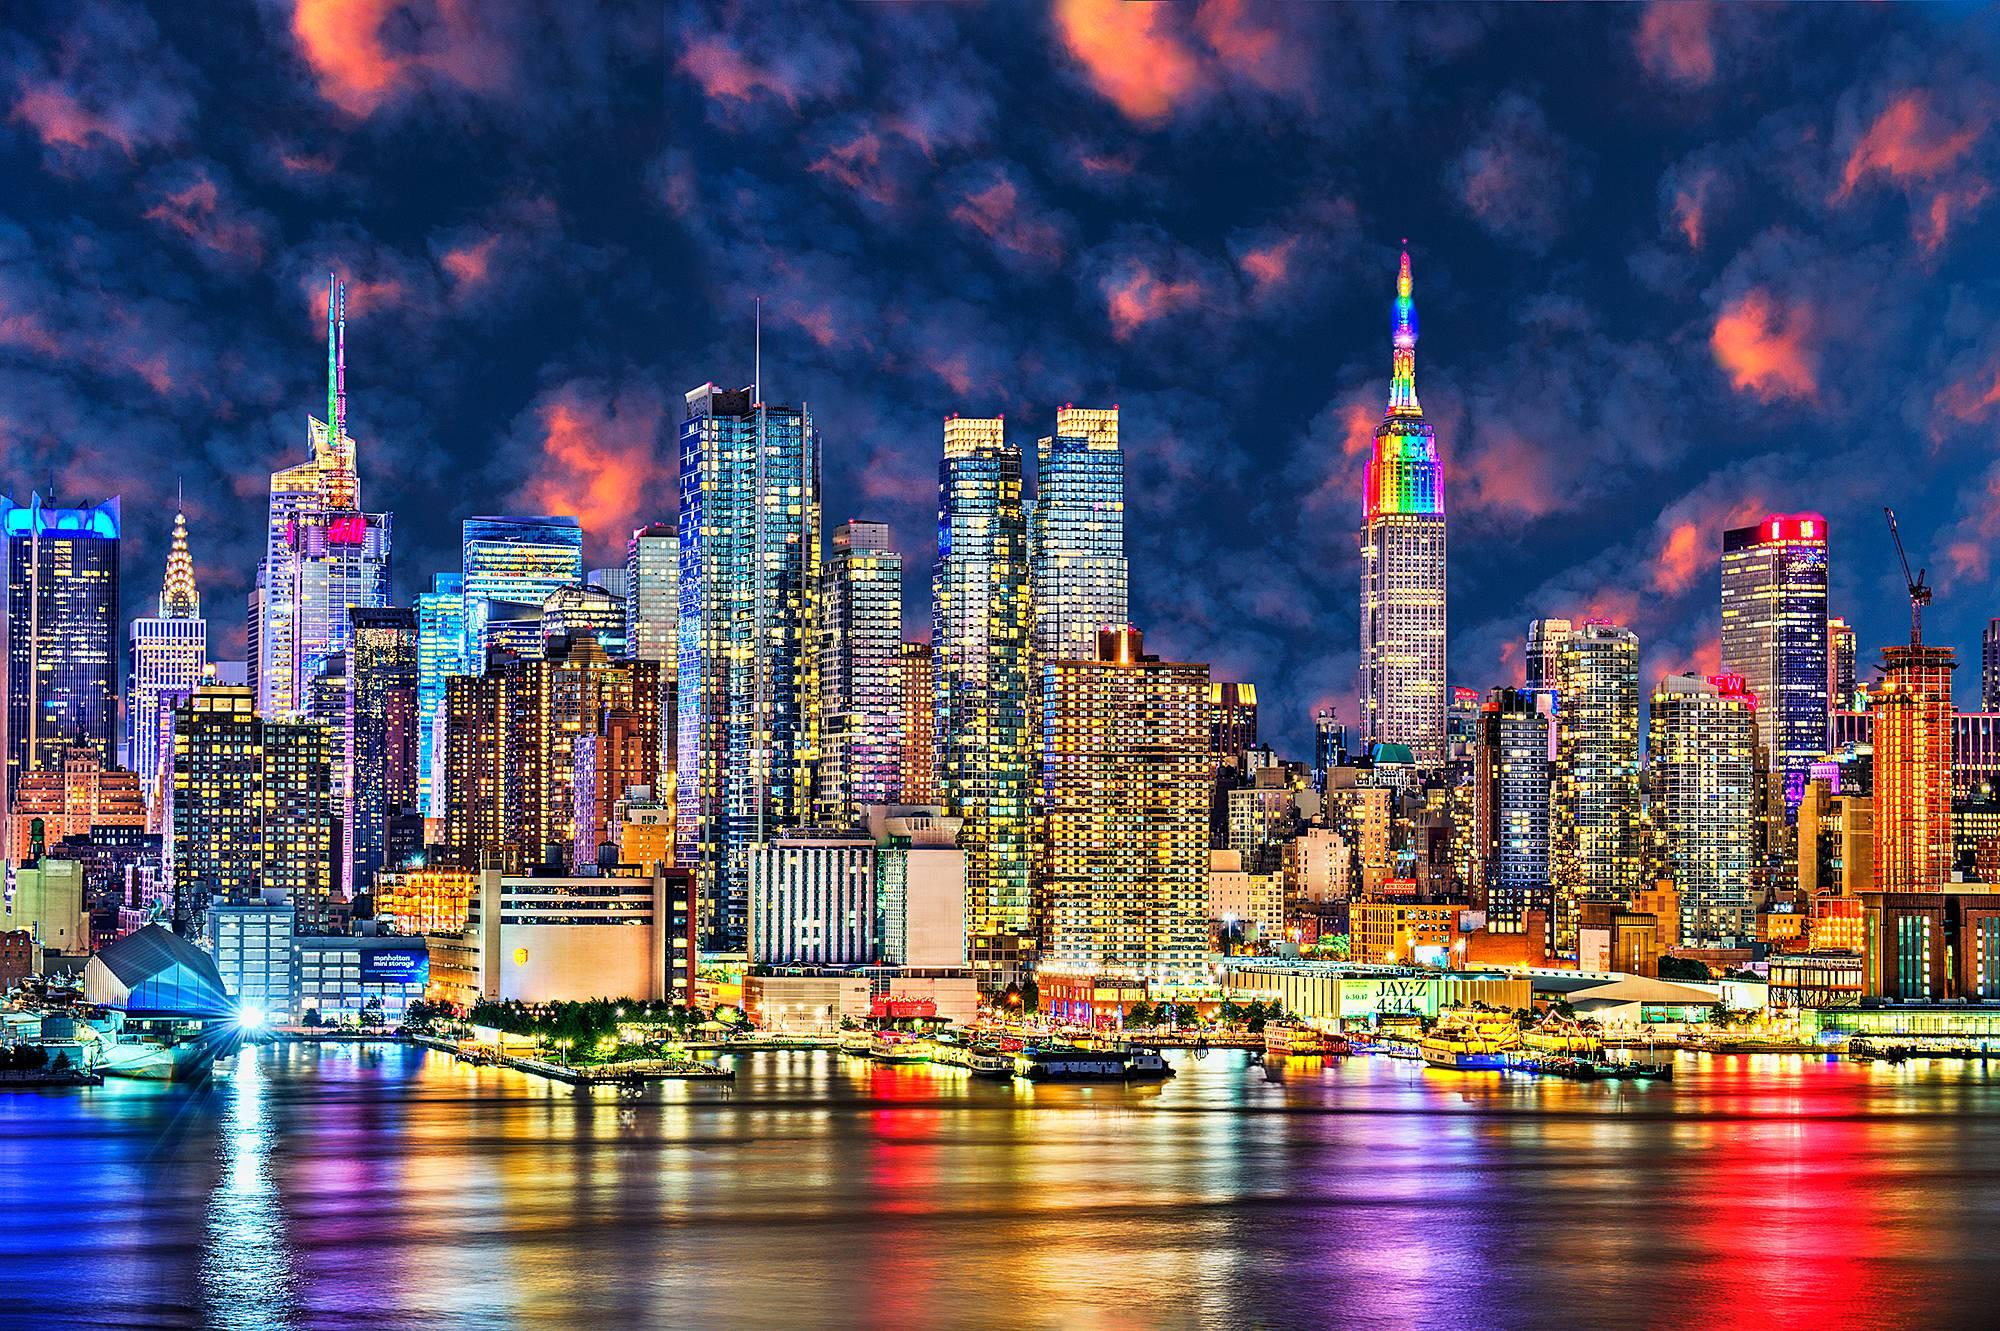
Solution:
(400, 965)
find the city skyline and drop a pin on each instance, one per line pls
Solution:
(1609, 295)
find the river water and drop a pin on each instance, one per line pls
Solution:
(387, 1187)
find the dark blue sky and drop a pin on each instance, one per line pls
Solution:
(1677, 266)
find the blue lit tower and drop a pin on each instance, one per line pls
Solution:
(61, 614)
(1774, 634)
(381, 738)
(860, 673)
(512, 565)
(440, 655)
(1403, 562)
(1076, 535)
(749, 590)
(980, 636)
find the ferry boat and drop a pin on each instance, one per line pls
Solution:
(1069, 1063)
(856, 1042)
(1465, 1039)
(1562, 1035)
(898, 1047)
(1288, 1039)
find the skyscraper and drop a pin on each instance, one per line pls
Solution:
(169, 651)
(1403, 562)
(1232, 719)
(1329, 744)
(1512, 759)
(1989, 667)
(652, 594)
(251, 810)
(440, 655)
(1774, 634)
(512, 562)
(1544, 656)
(1076, 534)
(860, 673)
(381, 740)
(749, 591)
(918, 774)
(61, 627)
(1594, 788)
(1840, 684)
(1913, 744)
(1122, 798)
(979, 629)
(586, 608)
(322, 554)
(1704, 750)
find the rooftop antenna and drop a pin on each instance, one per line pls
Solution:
(1920, 595)
(757, 371)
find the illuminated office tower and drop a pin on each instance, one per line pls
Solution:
(1774, 634)
(1513, 755)
(979, 629)
(1913, 753)
(1544, 656)
(511, 566)
(1122, 800)
(322, 554)
(860, 673)
(61, 626)
(510, 749)
(1076, 534)
(1840, 683)
(1232, 720)
(1989, 667)
(252, 812)
(614, 580)
(1704, 753)
(381, 739)
(586, 608)
(652, 594)
(440, 655)
(918, 773)
(749, 591)
(1594, 788)
(169, 651)
(1403, 562)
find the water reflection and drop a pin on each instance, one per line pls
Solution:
(386, 1187)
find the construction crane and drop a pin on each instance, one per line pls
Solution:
(1920, 595)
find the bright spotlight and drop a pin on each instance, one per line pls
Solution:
(251, 1017)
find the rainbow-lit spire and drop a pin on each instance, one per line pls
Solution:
(178, 597)
(336, 360)
(1403, 337)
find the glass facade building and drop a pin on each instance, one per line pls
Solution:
(1513, 756)
(860, 673)
(746, 683)
(1594, 840)
(61, 616)
(381, 739)
(1774, 634)
(519, 561)
(1704, 754)
(1076, 535)
(440, 655)
(652, 593)
(1403, 562)
(979, 631)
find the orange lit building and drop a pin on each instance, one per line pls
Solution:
(1836, 925)
(51, 805)
(919, 763)
(1403, 931)
(425, 901)
(1913, 843)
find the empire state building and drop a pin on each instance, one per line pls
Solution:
(1402, 562)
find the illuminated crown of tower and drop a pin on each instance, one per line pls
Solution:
(343, 485)
(178, 597)
(1403, 471)
(1403, 338)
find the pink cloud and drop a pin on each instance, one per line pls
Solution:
(1946, 207)
(724, 73)
(355, 68)
(60, 120)
(197, 212)
(1763, 347)
(1269, 266)
(470, 264)
(857, 164)
(1135, 296)
(1682, 559)
(364, 295)
(25, 330)
(1129, 56)
(1510, 477)
(1690, 207)
(1906, 144)
(998, 212)
(1675, 41)
(600, 460)
(1970, 399)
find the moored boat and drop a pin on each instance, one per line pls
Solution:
(898, 1047)
(1070, 1063)
(1289, 1039)
(1468, 1040)
(1562, 1035)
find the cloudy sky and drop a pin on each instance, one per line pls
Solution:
(1677, 265)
